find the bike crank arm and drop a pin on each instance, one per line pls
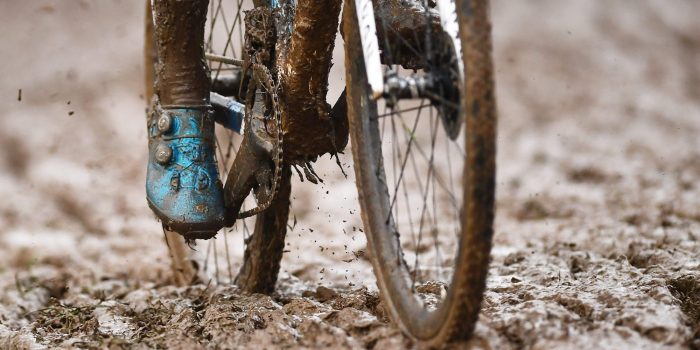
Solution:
(253, 169)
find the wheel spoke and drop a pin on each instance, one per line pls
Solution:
(405, 159)
(431, 169)
(418, 164)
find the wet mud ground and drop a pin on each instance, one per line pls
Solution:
(597, 239)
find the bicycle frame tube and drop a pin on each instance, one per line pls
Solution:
(304, 62)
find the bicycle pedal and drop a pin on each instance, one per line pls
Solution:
(182, 183)
(227, 112)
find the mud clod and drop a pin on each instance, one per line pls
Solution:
(687, 290)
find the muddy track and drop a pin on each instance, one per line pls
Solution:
(597, 229)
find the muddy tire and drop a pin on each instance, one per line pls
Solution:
(455, 314)
(264, 247)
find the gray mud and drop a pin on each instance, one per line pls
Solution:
(598, 218)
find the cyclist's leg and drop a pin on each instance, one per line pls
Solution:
(182, 75)
(183, 186)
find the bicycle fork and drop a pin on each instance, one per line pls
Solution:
(393, 32)
(388, 83)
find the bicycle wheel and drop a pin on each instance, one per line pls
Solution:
(425, 164)
(263, 235)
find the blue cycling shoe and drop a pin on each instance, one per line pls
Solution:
(182, 183)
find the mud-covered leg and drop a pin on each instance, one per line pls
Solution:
(183, 186)
(261, 262)
(166, 68)
(182, 76)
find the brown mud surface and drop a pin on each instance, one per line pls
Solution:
(598, 224)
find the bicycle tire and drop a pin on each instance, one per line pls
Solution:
(455, 316)
(264, 248)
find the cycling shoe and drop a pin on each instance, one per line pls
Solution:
(182, 183)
